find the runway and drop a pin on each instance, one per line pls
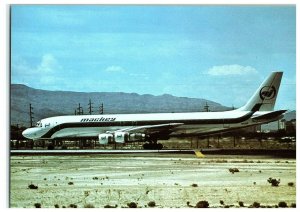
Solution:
(93, 151)
(287, 153)
(170, 180)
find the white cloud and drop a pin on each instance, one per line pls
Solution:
(48, 64)
(114, 69)
(231, 70)
(45, 73)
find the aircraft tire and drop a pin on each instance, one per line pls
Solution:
(147, 146)
(159, 146)
(153, 146)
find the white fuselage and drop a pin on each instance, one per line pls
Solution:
(188, 123)
(258, 110)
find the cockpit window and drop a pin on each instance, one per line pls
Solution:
(39, 124)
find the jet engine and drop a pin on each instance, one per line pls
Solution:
(105, 138)
(121, 137)
(136, 136)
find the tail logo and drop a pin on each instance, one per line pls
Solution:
(267, 93)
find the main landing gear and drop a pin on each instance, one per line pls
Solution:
(153, 145)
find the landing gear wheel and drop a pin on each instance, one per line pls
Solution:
(146, 146)
(159, 146)
(51, 146)
(153, 146)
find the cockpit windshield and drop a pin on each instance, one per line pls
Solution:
(39, 124)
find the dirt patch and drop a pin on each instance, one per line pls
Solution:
(118, 180)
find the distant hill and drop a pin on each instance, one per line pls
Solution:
(288, 116)
(53, 103)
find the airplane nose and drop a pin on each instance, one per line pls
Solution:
(26, 133)
(29, 133)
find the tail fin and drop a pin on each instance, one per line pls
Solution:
(266, 94)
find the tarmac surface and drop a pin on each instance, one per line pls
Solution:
(170, 180)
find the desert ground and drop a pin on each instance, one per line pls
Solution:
(168, 180)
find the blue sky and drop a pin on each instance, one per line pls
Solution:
(220, 53)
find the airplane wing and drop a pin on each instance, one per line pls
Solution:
(151, 129)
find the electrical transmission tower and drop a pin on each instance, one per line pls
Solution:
(90, 107)
(101, 109)
(31, 115)
(79, 110)
(206, 107)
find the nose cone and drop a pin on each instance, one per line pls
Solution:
(30, 133)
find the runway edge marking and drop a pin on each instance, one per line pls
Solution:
(199, 154)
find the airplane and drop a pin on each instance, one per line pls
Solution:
(151, 127)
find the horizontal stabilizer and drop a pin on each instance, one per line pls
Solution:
(270, 115)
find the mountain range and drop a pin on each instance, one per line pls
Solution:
(54, 103)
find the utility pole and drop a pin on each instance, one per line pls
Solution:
(18, 138)
(79, 110)
(101, 109)
(90, 107)
(31, 115)
(206, 107)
